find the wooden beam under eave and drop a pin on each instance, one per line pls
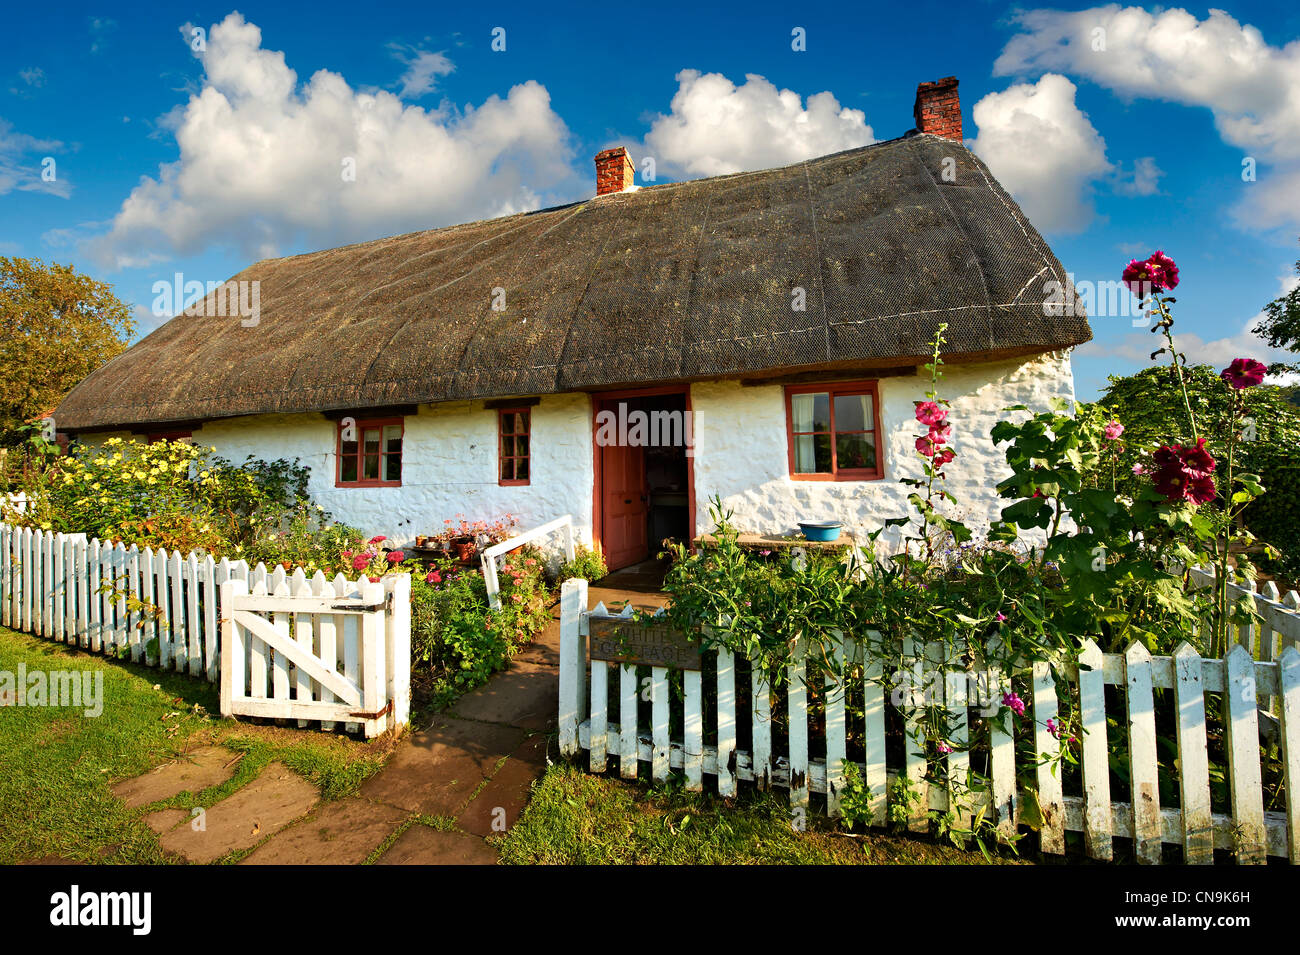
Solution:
(812, 377)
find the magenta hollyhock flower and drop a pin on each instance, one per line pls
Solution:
(926, 447)
(1139, 469)
(1014, 701)
(377, 540)
(396, 556)
(1113, 430)
(944, 456)
(940, 433)
(1164, 266)
(1184, 474)
(930, 412)
(1244, 373)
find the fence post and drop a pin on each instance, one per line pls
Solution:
(573, 603)
(399, 646)
(372, 658)
(232, 651)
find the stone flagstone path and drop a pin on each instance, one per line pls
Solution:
(446, 788)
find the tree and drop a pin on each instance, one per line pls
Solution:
(56, 327)
(1282, 325)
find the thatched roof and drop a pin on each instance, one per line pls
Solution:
(670, 283)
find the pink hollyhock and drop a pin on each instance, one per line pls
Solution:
(1157, 273)
(396, 556)
(944, 456)
(1184, 474)
(433, 577)
(930, 412)
(1139, 469)
(1113, 430)
(940, 433)
(1244, 373)
(926, 447)
(377, 540)
(1165, 268)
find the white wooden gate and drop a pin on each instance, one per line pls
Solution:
(318, 651)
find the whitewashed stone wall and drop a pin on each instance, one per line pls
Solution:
(450, 456)
(449, 466)
(740, 447)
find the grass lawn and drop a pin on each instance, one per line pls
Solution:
(578, 819)
(58, 764)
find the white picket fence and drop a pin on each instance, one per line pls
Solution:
(165, 610)
(1250, 695)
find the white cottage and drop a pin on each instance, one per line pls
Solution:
(756, 336)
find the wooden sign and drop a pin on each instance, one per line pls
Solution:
(648, 644)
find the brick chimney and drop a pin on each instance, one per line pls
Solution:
(614, 170)
(937, 108)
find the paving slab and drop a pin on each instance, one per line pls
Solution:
(545, 648)
(271, 801)
(526, 695)
(338, 833)
(437, 770)
(165, 819)
(496, 809)
(421, 845)
(192, 771)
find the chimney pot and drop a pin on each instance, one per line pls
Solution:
(614, 170)
(937, 109)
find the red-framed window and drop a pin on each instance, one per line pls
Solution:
(834, 432)
(514, 427)
(369, 452)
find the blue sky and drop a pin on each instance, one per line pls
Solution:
(169, 159)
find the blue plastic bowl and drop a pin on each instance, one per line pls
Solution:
(820, 531)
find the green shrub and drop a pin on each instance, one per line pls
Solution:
(588, 564)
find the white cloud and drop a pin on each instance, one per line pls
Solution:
(1142, 180)
(1044, 150)
(263, 157)
(1251, 88)
(21, 158)
(422, 70)
(715, 127)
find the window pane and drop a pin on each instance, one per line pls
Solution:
(348, 465)
(392, 438)
(812, 454)
(521, 469)
(521, 446)
(371, 438)
(507, 446)
(855, 451)
(853, 413)
(810, 412)
(393, 466)
(521, 422)
(507, 469)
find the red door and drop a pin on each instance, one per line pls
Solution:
(624, 505)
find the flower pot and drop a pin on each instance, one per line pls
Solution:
(421, 540)
(464, 548)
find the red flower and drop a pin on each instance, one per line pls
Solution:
(433, 577)
(940, 433)
(377, 540)
(944, 456)
(925, 447)
(930, 412)
(396, 556)
(1244, 373)
(1184, 474)
(1157, 273)
(360, 561)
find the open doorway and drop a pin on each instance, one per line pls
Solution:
(644, 474)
